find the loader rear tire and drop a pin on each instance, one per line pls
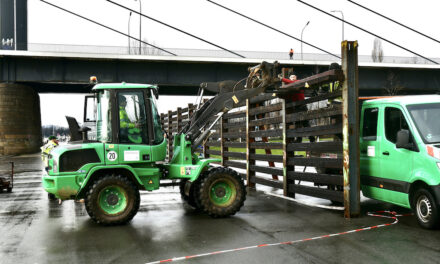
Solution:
(192, 198)
(112, 200)
(222, 192)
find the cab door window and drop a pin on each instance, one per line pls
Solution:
(394, 122)
(369, 128)
(132, 118)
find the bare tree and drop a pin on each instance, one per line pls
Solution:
(392, 85)
(145, 49)
(377, 52)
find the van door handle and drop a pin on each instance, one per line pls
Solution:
(386, 153)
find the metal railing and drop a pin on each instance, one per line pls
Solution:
(263, 55)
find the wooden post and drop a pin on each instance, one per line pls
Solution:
(350, 129)
(284, 124)
(179, 119)
(249, 162)
(223, 149)
(170, 134)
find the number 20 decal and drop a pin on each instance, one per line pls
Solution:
(112, 156)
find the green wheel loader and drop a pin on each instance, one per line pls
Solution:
(129, 151)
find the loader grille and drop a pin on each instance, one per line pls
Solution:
(75, 159)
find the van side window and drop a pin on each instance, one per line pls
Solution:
(394, 122)
(369, 129)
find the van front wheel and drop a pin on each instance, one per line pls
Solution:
(426, 209)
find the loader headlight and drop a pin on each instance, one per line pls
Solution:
(55, 165)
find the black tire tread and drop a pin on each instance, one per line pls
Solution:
(203, 192)
(107, 220)
(434, 223)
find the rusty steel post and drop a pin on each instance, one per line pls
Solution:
(350, 129)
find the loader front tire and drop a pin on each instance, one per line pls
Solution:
(222, 192)
(112, 200)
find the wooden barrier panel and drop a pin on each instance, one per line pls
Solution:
(291, 145)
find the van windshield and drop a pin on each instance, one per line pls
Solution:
(426, 118)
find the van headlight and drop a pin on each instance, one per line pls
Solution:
(438, 165)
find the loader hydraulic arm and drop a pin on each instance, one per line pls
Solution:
(229, 95)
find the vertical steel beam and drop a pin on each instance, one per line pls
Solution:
(350, 129)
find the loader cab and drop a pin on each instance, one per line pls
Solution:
(127, 122)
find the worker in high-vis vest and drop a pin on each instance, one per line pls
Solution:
(47, 149)
(130, 131)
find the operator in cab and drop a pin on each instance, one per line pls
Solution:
(129, 128)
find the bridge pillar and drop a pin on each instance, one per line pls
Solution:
(20, 120)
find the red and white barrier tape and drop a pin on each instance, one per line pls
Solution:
(392, 215)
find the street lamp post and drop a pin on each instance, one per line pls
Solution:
(302, 39)
(129, 49)
(140, 26)
(342, 14)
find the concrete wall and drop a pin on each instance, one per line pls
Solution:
(20, 120)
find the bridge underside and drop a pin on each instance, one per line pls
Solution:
(182, 77)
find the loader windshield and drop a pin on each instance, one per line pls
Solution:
(103, 122)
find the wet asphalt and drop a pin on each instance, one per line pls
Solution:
(36, 230)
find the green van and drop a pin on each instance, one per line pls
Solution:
(400, 154)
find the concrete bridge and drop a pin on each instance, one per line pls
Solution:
(25, 74)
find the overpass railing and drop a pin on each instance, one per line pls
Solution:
(262, 55)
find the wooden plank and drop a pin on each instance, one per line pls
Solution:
(331, 146)
(235, 164)
(314, 99)
(314, 80)
(213, 143)
(315, 131)
(332, 179)
(235, 144)
(267, 182)
(313, 114)
(261, 98)
(268, 170)
(268, 145)
(317, 192)
(265, 109)
(316, 162)
(235, 125)
(266, 157)
(213, 152)
(266, 133)
(237, 114)
(234, 155)
(234, 135)
(266, 121)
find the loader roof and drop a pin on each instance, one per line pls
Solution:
(123, 85)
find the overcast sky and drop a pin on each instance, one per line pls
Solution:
(47, 24)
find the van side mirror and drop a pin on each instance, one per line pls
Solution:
(403, 140)
(156, 93)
